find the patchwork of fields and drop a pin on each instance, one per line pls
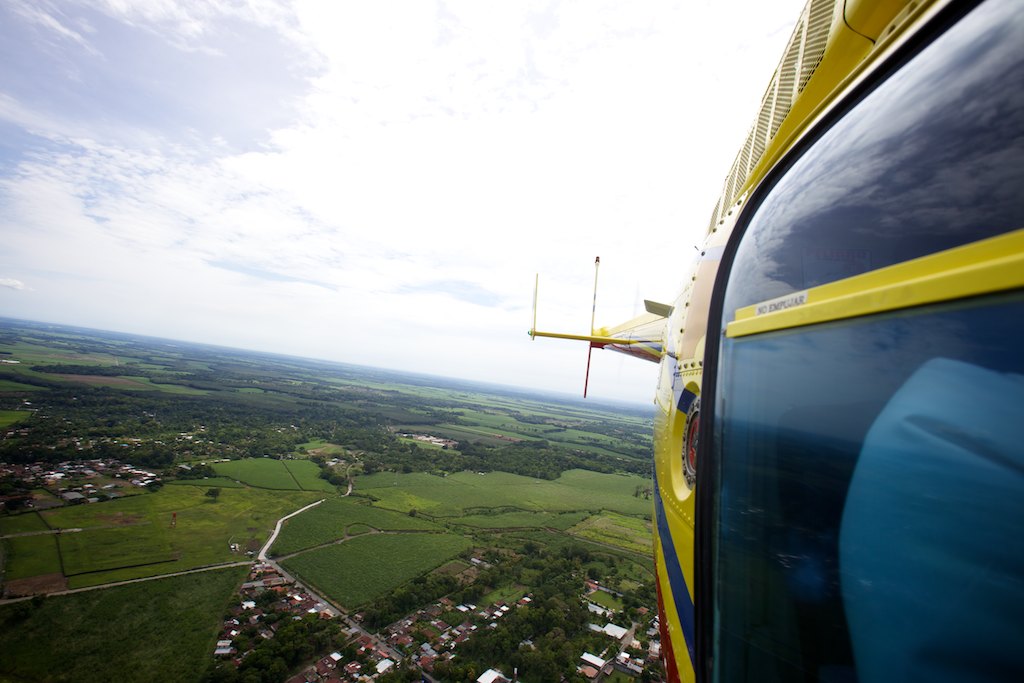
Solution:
(170, 530)
(335, 518)
(125, 633)
(268, 473)
(468, 492)
(364, 568)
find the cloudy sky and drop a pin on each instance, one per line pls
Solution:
(372, 182)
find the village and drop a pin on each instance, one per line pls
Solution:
(421, 641)
(42, 485)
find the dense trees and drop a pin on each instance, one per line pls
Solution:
(270, 661)
(261, 405)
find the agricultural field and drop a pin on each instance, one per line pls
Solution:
(23, 523)
(335, 518)
(163, 629)
(468, 493)
(629, 533)
(9, 417)
(321, 447)
(28, 556)
(209, 483)
(133, 537)
(8, 385)
(364, 568)
(264, 473)
(524, 520)
(307, 475)
(97, 550)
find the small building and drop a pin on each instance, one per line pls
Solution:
(593, 660)
(492, 676)
(384, 665)
(616, 632)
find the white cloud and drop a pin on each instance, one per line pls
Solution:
(439, 155)
(11, 283)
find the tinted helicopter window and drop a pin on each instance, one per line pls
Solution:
(930, 160)
(871, 479)
(872, 487)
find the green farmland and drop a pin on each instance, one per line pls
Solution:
(467, 492)
(629, 533)
(9, 417)
(267, 473)
(133, 537)
(158, 630)
(524, 520)
(364, 568)
(333, 519)
(307, 475)
(264, 473)
(29, 556)
(20, 524)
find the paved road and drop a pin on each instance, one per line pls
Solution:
(277, 529)
(333, 609)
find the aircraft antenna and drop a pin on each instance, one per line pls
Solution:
(536, 284)
(593, 313)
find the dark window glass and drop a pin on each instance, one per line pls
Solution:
(932, 159)
(872, 492)
(871, 471)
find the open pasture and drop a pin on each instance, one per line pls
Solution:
(332, 519)
(23, 523)
(137, 529)
(307, 475)
(467, 492)
(208, 483)
(157, 630)
(364, 568)
(97, 550)
(628, 533)
(9, 417)
(321, 447)
(524, 520)
(11, 385)
(28, 556)
(264, 473)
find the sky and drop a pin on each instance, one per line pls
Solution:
(376, 183)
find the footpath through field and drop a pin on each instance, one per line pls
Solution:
(210, 568)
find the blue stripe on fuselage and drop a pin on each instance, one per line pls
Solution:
(676, 580)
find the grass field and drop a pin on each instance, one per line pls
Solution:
(364, 568)
(156, 630)
(138, 529)
(30, 556)
(9, 385)
(628, 533)
(307, 474)
(322, 447)
(328, 522)
(467, 492)
(9, 417)
(265, 473)
(103, 549)
(511, 520)
(605, 600)
(208, 483)
(18, 524)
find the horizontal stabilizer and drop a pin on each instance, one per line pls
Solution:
(662, 310)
